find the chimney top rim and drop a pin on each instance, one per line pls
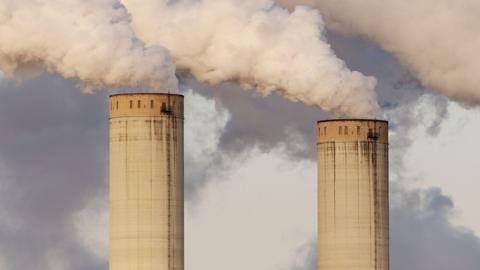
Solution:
(352, 120)
(146, 94)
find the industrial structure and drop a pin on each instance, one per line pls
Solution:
(353, 214)
(146, 182)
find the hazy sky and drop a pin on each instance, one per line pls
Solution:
(250, 173)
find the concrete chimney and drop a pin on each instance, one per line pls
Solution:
(353, 214)
(146, 182)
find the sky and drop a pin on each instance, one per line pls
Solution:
(252, 203)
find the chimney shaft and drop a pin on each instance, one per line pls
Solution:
(146, 181)
(353, 214)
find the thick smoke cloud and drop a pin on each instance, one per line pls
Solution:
(255, 43)
(259, 45)
(272, 122)
(437, 40)
(90, 40)
(399, 93)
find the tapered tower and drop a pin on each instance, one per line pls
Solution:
(353, 214)
(146, 182)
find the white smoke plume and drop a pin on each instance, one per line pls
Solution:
(438, 40)
(91, 40)
(127, 43)
(259, 45)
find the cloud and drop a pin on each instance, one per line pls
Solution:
(272, 121)
(436, 40)
(259, 45)
(307, 255)
(423, 237)
(204, 124)
(262, 122)
(120, 44)
(54, 161)
(90, 40)
(256, 217)
(449, 159)
(91, 226)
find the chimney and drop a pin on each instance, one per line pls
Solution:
(353, 214)
(146, 181)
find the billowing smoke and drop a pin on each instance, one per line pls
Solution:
(259, 45)
(255, 43)
(438, 40)
(91, 40)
